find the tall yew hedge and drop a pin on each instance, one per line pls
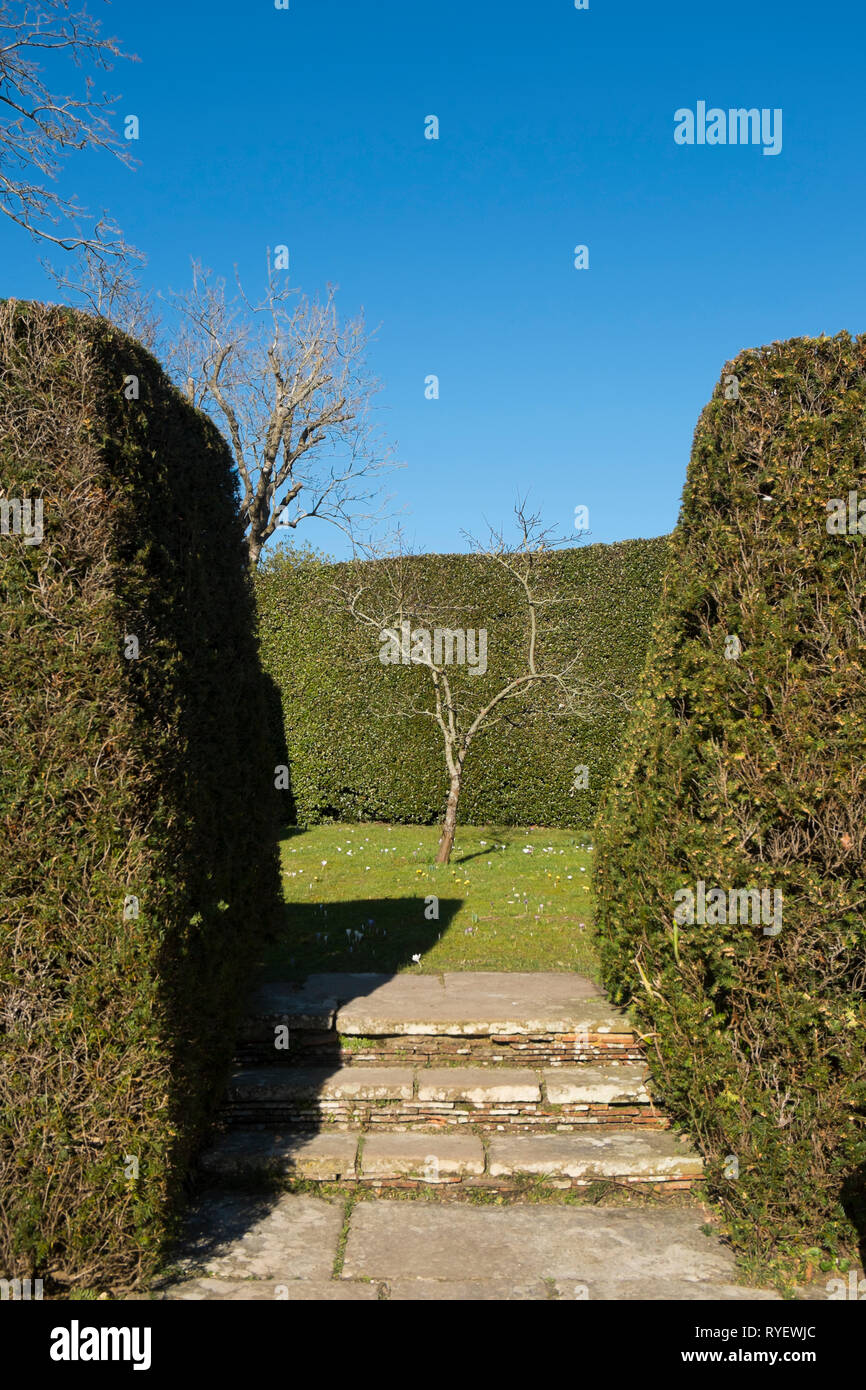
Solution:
(357, 752)
(123, 777)
(745, 767)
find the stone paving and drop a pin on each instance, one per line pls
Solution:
(475, 1052)
(240, 1247)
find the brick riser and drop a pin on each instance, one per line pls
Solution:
(522, 1116)
(550, 1050)
(458, 1187)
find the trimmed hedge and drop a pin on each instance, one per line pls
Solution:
(121, 778)
(355, 750)
(748, 771)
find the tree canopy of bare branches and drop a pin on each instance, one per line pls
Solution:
(39, 129)
(111, 290)
(287, 383)
(283, 379)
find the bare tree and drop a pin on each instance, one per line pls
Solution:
(287, 383)
(282, 379)
(38, 130)
(390, 602)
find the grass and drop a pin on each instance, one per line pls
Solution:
(362, 897)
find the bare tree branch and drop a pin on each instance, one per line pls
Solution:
(288, 384)
(38, 130)
(110, 290)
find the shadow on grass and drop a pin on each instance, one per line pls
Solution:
(286, 810)
(369, 934)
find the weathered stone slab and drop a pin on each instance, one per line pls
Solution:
(465, 1291)
(623, 1291)
(614, 1153)
(479, 1084)
(654, 1290)
(480, 1004)
(278, 1237)
(259, 1154)
(431, 1157)
(574, 1245)
(263, 1084)
(275, 1004)
(344, 985)
(272, 1291)
(597, 1085)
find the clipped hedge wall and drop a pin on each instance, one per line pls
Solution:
(747, 771)
(356, 752)
(121, 778)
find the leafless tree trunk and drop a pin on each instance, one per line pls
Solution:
(390, 603)
(39, 129)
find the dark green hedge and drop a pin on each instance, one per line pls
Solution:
(120, 778)
(356, 752)
(749, 772)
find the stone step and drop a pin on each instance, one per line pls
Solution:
(481, 1018)
(264, 1085)
(493, 1097)
(627, 1156)
(257, 1155)
(432, 1158)
(458, 1004)
(505, 1085)
(397, 1158)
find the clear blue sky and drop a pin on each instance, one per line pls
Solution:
(306, 127)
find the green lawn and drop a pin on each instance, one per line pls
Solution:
(511, 899)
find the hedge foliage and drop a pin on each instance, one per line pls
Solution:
(355, 750)
(121, 778)
(745, 771)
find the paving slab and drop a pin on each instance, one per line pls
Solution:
(597, 1085)
(654, 1290)
(606, 1153)
(395, 1240)
(479, 1084)
(347, 984)
(465, 1291)
(274, 1004)
(270, 1291)
(246, 1153)
(264, 1084)
(433, 1157)
(560, 1290)
(477, 1004)
(279, 1237)
(462, 1291)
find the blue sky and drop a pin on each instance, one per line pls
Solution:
(306, 127)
